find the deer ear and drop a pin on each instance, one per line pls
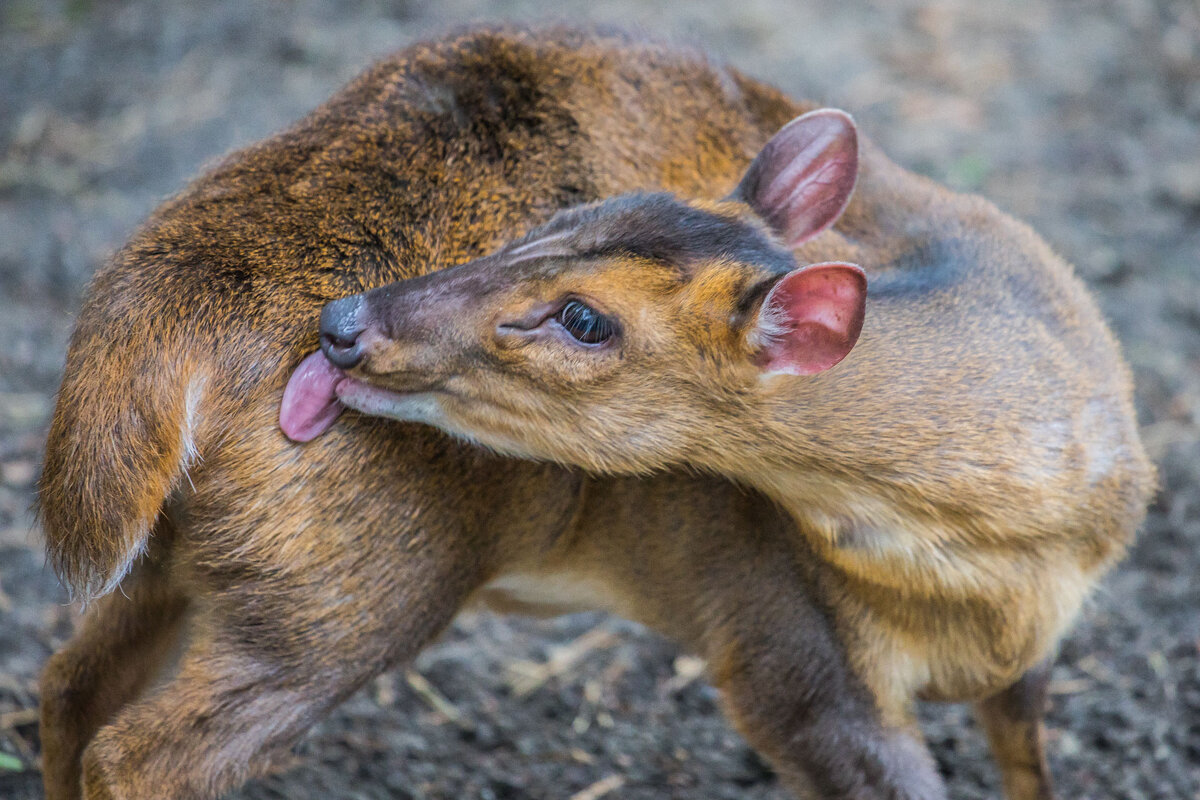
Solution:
(810, 319)
(802, 179)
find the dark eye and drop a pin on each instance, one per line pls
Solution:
(585, 323)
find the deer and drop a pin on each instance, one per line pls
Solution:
(246, 558)
(926, 390)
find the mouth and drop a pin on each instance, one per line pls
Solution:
(318, 392)
(309, 403)
(412, 405)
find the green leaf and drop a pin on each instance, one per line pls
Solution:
(10, 763)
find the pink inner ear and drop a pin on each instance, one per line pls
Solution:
(811, 318)
(801, 181)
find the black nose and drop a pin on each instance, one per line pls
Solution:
(341, 326)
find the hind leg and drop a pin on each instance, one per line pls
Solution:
(310, 576)
(311, 570)
(1016, 733)
(120, 647)
(208, 728)
(246, 687)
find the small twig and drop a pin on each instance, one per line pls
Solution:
(23, 747)
(6, 604)
(600, 788)
(1070, 686)
(22, 716)
(385, 693)
(1099, 671)
(528, 676)
(435, 698)
(687, 670)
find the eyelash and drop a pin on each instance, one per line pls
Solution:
(585, 324)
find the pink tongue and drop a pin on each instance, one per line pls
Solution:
(309, 404)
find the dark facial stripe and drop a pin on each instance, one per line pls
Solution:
(660, 228)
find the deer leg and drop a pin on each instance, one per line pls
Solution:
(239, 696)
(118, 650)
(277, 636)
(202, 733)
(1013, 721)
(791, 691)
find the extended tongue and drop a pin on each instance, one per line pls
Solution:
(309, 404)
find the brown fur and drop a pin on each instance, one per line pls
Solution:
(278, 578)
(965, 475)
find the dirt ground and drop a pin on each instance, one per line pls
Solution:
(1081, 117)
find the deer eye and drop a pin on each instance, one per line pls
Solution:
(585, 323)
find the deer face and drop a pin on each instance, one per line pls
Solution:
(621, 336)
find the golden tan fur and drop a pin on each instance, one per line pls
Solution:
(965, 475)
(283, 577)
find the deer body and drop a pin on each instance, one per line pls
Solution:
(975, 453)
(262, 581)
(964, 475)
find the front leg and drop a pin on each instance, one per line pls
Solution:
(790, 690)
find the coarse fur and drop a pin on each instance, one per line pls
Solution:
(263, 581)
(965, 475)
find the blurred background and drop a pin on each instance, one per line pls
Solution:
(1082, 118)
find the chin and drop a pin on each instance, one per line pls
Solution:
(374, 401)
(427, 408)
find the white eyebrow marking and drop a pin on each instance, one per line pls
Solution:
(553, 245)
